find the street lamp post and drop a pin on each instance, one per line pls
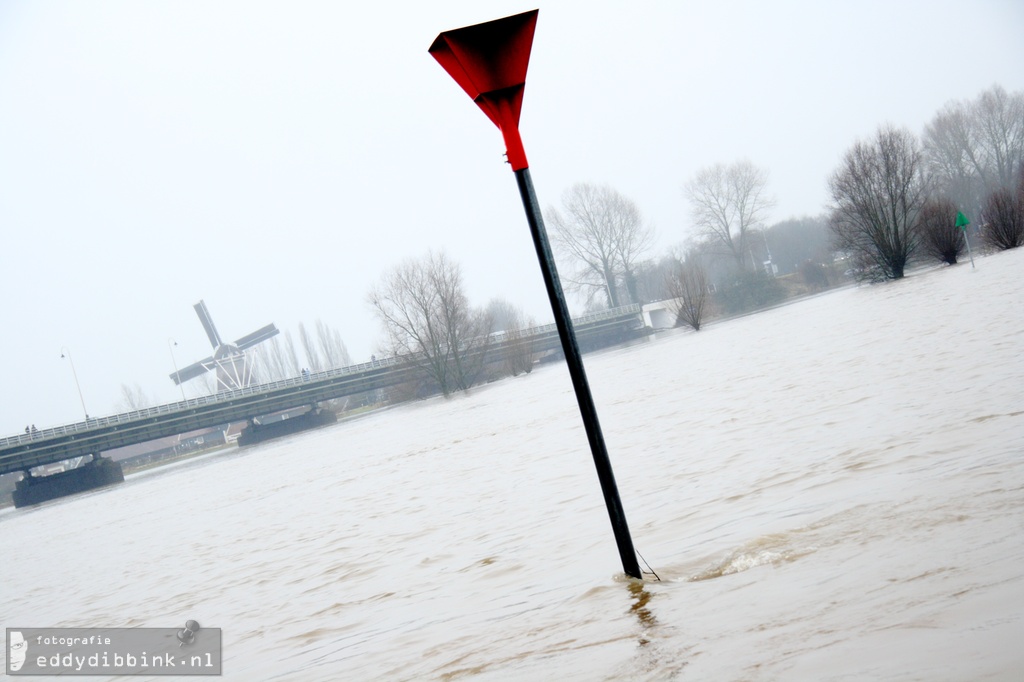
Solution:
(173, 360)
(489, 62)
(64, 351)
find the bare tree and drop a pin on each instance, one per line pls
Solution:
(727, 202)
(953, 161)
(133, 398)
(688, 286)
(265, 353)
(291, 357)
(940, 237)
(1004, 213)
(202, 385)
(877, 193)
(273, 361)
(324, 350)
(999, 124)
(503, 314)
(332, 348)
(976, 147)
(428, 322)
(309, 347)
(633, 242)
(603, 234)
(517, 348)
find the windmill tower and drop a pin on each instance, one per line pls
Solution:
(234, 368)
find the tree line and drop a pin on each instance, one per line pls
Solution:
(429, 323)
(895, 199)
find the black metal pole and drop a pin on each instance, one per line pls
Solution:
(574, 359)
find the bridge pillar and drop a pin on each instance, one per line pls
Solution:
(95, 474)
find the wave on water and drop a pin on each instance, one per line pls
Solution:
(772, 550)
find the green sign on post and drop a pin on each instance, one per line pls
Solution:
(962, 222)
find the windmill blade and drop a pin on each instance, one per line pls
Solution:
(193, 370)
(207, 321)
(258, 336)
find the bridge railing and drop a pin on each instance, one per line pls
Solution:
(226, 396)
(219, 397)
(589, 318)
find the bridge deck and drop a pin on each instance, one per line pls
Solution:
(94, 435)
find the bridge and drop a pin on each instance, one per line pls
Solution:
(96, 435)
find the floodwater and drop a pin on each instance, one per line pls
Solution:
(831, 490)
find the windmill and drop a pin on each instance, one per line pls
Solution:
(234, 367)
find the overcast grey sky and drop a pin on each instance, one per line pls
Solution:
(275, 159)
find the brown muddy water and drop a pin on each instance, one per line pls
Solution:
(831, 490)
